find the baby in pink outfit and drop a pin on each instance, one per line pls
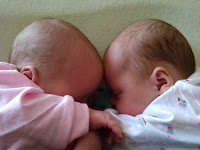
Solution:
(53, 69)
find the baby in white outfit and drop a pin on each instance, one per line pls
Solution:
(147, 67)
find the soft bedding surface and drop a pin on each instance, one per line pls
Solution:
(100, 20)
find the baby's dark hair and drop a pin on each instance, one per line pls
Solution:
(146, 43)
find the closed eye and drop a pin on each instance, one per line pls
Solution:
(115, 97)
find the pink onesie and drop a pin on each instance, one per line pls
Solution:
(31, 119)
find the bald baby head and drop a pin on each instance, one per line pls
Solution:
(58, 51)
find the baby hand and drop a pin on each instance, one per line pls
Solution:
(101, 119)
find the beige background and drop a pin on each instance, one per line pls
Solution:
(99, 20)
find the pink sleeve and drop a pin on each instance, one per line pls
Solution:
(52, 120)
(28, 117)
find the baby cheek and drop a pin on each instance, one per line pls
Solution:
(122, 108)
(127, 108)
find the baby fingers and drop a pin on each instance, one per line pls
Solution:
(114, 126)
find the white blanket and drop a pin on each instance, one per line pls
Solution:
(170, 122)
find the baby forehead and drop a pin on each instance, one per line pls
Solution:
(119, 51)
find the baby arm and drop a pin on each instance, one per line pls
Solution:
(90, 141)
(101, 119)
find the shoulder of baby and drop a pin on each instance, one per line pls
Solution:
(7, 66)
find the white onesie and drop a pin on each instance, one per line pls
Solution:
(170, 122)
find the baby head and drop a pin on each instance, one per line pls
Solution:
(58, 58)
(143, 62)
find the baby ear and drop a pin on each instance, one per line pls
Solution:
(31, 73)
(161, 79)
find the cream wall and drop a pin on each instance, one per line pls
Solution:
(99, 20)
